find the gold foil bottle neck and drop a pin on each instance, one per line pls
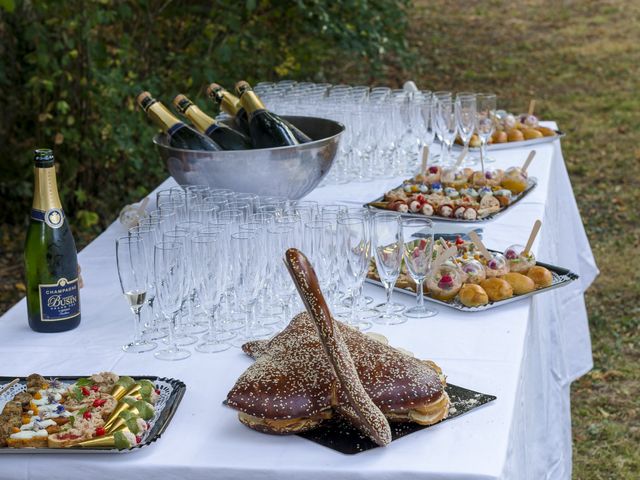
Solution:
(45, 195)
(251, 102)
(162, 116)
(200, 120)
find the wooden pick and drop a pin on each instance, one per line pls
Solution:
(9, 385)
(444, 256)
(425, 158)
(532, 106)
(461, 157)
(478, 243)
(527, 162)
(532, 237)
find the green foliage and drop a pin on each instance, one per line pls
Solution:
(70, 71)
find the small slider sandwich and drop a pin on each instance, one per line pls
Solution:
(318, 367)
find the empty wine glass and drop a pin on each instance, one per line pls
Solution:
(426, 123)
(485, 115)
(387, 245)
(248, 254)
(133, 270)
(169, 268)
(210, 278)
(279, 240)
(445, 122)
(317, 247)
(354, 247)
(418, 246)
(465, 109)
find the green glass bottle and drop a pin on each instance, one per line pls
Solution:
(230, 104)
(51, 263)
(226, 137)
(251, 100)
(266, 128)
(180, 134)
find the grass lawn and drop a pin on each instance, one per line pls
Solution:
(580, 61)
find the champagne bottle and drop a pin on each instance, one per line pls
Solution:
(300, 136)
(51, 264)
(180, 135)
(267, 129)
(226, 137)
(230, 104)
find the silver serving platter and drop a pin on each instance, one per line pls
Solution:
(561, 277)
(171, 393)
(436, 218)
(510, 145)
(291, 171)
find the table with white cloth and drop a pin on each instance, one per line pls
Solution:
(526, 353)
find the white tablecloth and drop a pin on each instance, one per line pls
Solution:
(525, 353)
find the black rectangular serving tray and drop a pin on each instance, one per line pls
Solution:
(156, 431)
(340, 436)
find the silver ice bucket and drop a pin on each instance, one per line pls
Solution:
(290, 172)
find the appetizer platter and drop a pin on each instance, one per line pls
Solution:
(458, 194)
(515, 131)
(102, 413)
(318, 373)
(477, 279)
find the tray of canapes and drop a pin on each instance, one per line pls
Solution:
(457, 194)
(471, 282)
(102, 413)
(515, 131)
(332, 384)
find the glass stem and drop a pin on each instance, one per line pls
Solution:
(152, 321)
(420, 293)
(389, 292)
(212, 321)
(355, 296)
(172, 327)
(137, 335)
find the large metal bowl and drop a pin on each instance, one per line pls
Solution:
(290, 172)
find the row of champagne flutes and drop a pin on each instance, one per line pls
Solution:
(386, 129)
(208, 262)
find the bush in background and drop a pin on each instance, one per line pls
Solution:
(69, 73)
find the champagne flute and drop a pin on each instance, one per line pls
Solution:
(465, 111)
(388, 247)
(446, 126)
(249, 270)
(418, 247)
(210, 279)
(317, 247)
(170, 274)
(147, 232)
(485, 116)
(354, 247)
(278, 239)
(132, 272)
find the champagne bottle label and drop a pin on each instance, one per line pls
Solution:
(53, 217)
(59, 301)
